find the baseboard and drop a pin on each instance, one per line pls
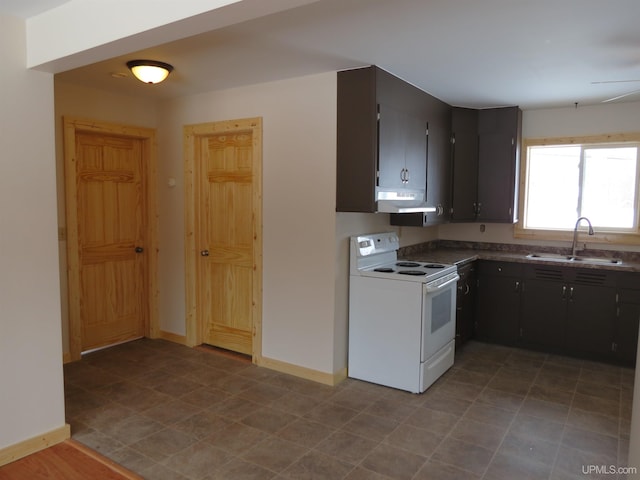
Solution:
(173, 337)
(107, 462)
(32, 445)
(66, 357)
(331, 379)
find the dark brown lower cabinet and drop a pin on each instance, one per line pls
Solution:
(465, 303)
(627, 318)
(498, 302)
(544, 309)
(588, 313)
(569, 310)
(591, 321)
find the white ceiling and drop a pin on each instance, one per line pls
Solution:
(476, 53)
(28, 8)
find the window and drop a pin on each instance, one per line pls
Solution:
(594, 177)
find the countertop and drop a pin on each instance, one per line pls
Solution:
(458, 255)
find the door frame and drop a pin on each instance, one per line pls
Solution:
(72, 126)
(191, 134)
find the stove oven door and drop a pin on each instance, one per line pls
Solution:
(438, 317)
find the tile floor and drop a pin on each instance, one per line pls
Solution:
(170, 412)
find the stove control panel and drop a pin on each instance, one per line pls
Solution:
(377, 243)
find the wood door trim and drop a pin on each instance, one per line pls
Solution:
(191, 133)
(72, 126)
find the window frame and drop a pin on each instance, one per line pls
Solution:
(631, 236)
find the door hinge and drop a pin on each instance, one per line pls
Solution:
(513, 141)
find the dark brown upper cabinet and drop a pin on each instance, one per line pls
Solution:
(439, 168)
(486, 160)
(384, 142)
(464, 138)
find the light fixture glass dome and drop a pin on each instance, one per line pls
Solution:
(149, 71)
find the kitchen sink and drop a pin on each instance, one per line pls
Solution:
(608, 261)
(579, 259)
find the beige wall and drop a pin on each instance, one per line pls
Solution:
(298, 210)
(31, 385)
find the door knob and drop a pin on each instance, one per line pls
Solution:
(139, 249)
(204, 253)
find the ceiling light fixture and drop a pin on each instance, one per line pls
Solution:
(149, 71)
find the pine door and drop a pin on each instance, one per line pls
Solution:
(227, 229)
(110, 252)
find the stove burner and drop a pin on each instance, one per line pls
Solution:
(411, 272)
(407, 264)
(383, 269)
(433, 265)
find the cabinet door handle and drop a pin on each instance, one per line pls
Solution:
(571, 294)
(517, 286)
(564, 292)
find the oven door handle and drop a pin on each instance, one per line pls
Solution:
(429, 289)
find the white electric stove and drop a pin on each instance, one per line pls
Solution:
(401, 315)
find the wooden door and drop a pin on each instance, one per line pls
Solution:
(226, 181)
(109, 241)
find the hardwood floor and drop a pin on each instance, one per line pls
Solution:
(68, 460)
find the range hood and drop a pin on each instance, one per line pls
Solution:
(405, 201)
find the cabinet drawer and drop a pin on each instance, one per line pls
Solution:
(630, 280)
(507, 269)
(466, 270)
(627, 295)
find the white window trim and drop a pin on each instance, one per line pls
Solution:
(606, 237)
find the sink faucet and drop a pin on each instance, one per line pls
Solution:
(575, 234)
